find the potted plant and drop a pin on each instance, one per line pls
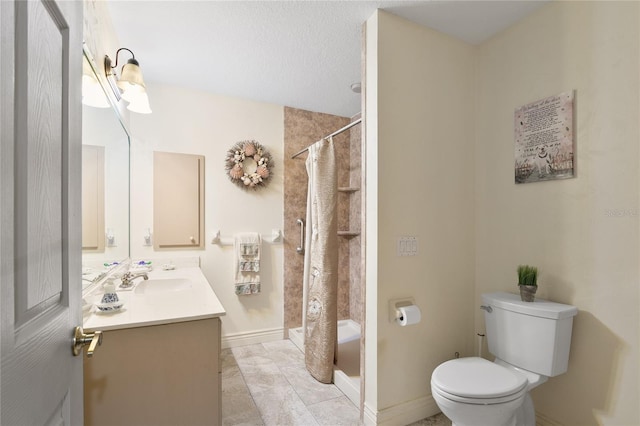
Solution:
(527, 282)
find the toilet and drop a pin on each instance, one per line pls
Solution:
(530, 342)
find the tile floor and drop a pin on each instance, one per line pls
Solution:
(267, 384)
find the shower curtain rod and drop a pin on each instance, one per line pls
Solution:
(337, 132)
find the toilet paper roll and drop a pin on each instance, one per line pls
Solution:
(408, 315)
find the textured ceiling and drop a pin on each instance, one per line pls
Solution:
(303, 54)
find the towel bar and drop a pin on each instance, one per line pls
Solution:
(274, 237)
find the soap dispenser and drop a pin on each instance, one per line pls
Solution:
(110, 295)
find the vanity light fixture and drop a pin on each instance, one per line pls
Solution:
(92, 94)
(130, 86)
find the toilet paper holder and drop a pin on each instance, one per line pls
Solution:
(396, 304)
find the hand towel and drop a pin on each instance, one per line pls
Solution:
(247, 270)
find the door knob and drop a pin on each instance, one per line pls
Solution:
(80, 339)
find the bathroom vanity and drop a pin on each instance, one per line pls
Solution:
(159, 363)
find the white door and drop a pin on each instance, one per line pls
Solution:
(40, 211)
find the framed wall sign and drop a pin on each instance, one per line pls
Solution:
(544, 145)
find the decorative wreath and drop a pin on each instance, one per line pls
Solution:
(248, 165)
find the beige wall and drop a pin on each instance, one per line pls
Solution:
(419, 174)
(98, 32)
(586, 256)
(196, 122)
(423, 92)
(100, 38)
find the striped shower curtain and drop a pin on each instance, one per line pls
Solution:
(321, 261)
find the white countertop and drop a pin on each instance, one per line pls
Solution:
(139, 310)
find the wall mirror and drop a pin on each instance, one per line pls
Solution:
(105, 176)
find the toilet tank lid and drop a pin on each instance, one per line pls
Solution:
(539, 308)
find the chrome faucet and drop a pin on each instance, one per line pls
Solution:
(128, 277)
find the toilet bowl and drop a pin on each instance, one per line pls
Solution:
(476, 392)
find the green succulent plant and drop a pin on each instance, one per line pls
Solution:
(527, 275)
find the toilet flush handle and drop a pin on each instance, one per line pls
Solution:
(486, 308)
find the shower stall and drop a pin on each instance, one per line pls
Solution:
(303, 128)
(346, 373)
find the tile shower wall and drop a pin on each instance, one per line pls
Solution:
(302, 128)
(356, 304)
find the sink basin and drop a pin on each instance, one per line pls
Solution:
(167, 285)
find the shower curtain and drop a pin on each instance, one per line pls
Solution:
(321, 261)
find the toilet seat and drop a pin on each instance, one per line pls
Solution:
(477, 381)
(481, 401)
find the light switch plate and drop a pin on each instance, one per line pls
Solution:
(407, 246)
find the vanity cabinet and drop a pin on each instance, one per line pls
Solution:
(166, 374)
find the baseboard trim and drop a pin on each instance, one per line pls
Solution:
(370, 415)
(542, 420)
(252, 337)
(402, 414)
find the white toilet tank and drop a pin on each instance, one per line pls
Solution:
(535, 336)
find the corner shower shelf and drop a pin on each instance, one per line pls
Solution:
(348, 234)
(349, 189)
